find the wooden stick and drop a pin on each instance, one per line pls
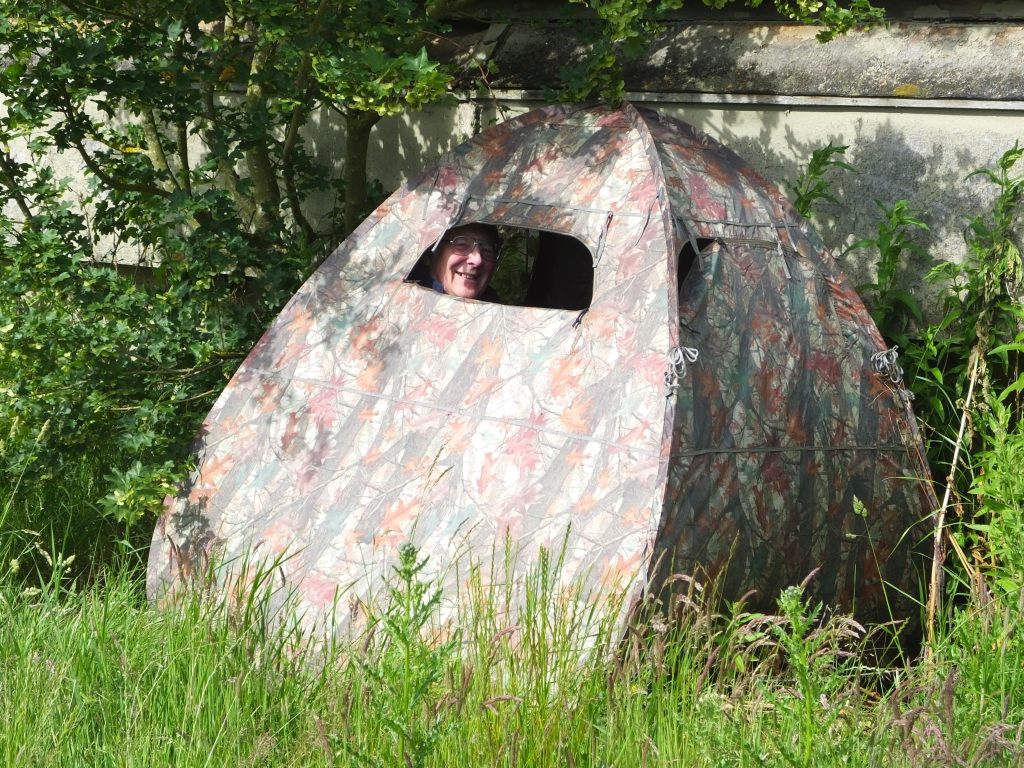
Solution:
(938, 551)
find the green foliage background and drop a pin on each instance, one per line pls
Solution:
(184, 119)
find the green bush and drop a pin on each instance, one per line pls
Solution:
(978, 336)
(120, 368)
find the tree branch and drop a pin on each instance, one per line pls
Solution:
(110, 181)
(227, 178)
(8, 175)
(71, 114)
(295, 123)
(257, 156)
(186, 169)
(357, 139)
(155, 149)
(85, 9)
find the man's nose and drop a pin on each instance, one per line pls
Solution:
(474, 257)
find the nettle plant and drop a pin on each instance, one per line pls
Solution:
(983, 324)
(974, 360)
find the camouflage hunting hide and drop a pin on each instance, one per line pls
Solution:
(739, 419)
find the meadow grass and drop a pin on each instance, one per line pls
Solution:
(94, 675)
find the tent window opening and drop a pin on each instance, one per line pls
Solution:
(535, 269)
(688, 256)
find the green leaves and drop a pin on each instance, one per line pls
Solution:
(406, 666)
(372, 80)
(834, 19)
(895, 310)
(984, 297)
(813, 186)
(120, 366)
(136, 490)
(191, 168)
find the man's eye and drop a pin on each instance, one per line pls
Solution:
(462, 246)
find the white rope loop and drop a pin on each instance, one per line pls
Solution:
(678, 358)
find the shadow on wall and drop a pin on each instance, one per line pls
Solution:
(911, 155)
(399, 146)
(896, 159)
(923, 156)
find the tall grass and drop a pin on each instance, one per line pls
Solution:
(46, 516)
(95, 676)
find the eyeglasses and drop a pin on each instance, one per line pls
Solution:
(465, 245)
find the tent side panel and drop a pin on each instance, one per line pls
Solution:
(790, 451)
(376, 412)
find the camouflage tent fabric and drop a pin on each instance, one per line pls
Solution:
(725, 407)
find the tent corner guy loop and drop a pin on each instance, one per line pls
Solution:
(887, 364)
(678, 357)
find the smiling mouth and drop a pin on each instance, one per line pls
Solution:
(468, 275)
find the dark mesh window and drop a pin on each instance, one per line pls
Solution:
(563, 273)
(687, 257)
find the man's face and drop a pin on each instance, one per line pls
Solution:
(464, 267)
